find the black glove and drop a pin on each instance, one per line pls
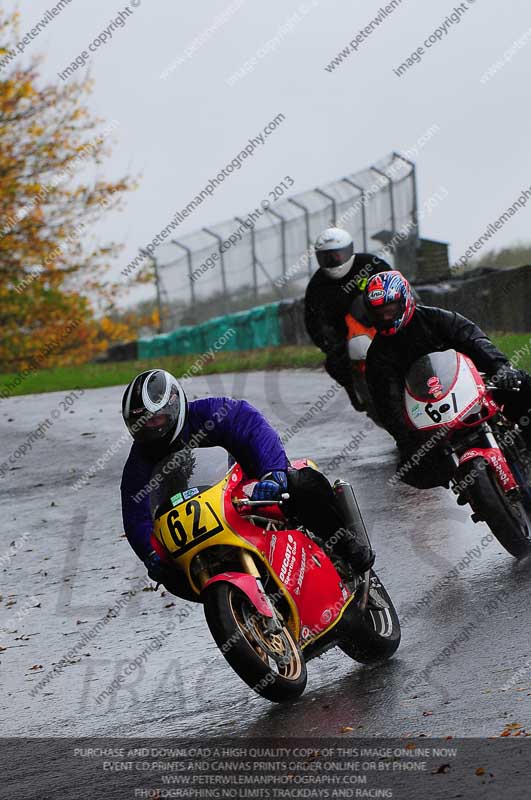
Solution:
(157, 569)
(508, 378)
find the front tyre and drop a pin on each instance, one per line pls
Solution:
(373, 635)
(506, 517)
(270, 663)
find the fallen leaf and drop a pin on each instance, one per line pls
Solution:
(442, 770)
(480, 771)
(346, 728)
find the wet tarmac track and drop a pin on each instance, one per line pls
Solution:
(463, 667)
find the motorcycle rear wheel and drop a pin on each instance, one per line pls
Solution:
(375, 634)
(270, 663)
(507, 519)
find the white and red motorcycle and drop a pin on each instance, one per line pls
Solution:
(447, 399)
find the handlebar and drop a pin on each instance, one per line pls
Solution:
(491, 386)
(239, 502)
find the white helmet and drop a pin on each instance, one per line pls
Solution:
(334, 250)
(154, 407)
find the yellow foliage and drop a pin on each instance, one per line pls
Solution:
(50, 276)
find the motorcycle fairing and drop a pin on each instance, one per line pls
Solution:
(359, 338)
(459, 396)
(186, 530)
(293, 556)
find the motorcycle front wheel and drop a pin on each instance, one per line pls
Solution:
(508, 519)
(271, 663)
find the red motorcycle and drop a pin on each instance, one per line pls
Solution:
(446, 397)
(274, 594)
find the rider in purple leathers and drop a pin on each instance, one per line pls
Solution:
(162, 421)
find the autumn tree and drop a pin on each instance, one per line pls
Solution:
(55, 302)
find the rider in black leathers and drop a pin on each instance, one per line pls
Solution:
(340, 279)
(428, 329)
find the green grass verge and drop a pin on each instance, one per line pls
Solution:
(94, 376)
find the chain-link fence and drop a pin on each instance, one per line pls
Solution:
(267, 254)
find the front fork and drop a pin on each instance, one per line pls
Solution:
(494, 456)
(271, 624)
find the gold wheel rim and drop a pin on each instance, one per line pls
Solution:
(278, 651)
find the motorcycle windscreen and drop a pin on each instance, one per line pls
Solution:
(185, 473)
(433, 376)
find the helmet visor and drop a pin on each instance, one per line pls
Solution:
(146, 427)
(386, 316)
(331, 259)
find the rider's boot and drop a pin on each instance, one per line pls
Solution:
(357, 553)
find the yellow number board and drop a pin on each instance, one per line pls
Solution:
(189, 524)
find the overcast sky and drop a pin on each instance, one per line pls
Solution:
(178, 132)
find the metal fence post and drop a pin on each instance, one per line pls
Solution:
(282, 234)
(253, 252)
(415, 210)
(157, 285)
(391, 197)
(219, 240)
(298, 204)
(363, 209)
(188, 252)
(333, 202)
